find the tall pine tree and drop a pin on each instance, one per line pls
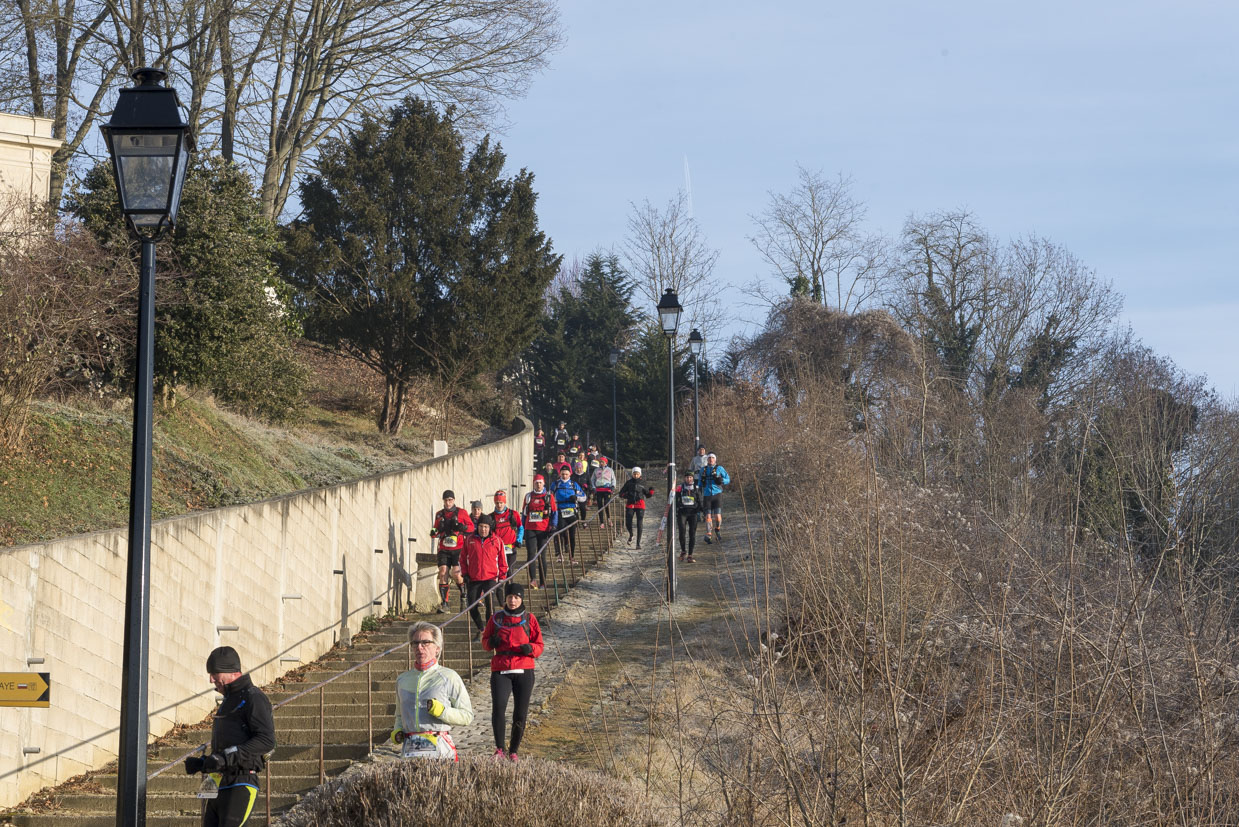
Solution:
(417, 258)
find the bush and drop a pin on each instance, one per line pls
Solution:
(476, 792)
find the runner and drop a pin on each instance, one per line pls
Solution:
(561, 461)
(508, 527)
(560, 437)
(575, 445)
(602, 481)
(581, 475)
(514, 636)
(568, 499)
(430, 700)
(539, 447)
(450, 526)
(540, 518)
(483, 563)
(711, 481)
(633, 494)
(475, 512)
(687, 514)
(699, 460)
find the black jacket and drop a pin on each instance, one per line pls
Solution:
(243, 732)
(634, 493)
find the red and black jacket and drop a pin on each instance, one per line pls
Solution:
(484, 558)
(451, 528)
(506, 524)
(540, 513)
(510, 631)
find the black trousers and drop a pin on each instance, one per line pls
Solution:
(534, 541)
(231, 809)
(476, 588)
(519, 687)
(688, 527)
(566, 539)
(637, 514)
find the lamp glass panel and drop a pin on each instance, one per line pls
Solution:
(147, 163)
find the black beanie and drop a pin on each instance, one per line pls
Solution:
(514, 588)
(449, 493)
(224, 659)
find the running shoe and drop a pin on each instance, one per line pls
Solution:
(690, 559)
(443, 607)
(499, 754)
(681, 558)
(513, 757)
(708, 540)
(718, 534)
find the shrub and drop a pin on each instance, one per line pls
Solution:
(474, 793)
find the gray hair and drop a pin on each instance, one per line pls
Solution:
(423, 626)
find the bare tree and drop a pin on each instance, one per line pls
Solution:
(59, 67)
(666, 248)
(813, 239)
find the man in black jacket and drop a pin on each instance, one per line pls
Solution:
(241, 736)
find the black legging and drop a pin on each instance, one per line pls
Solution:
(476, 589)
(567, 536)
(231, 808)
(518, 686)
(688, 525)
(535, 540)
(639, 515)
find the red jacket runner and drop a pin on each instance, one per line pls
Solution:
(484, 559)
(452, 527)
(512, 630)
(506, 524)
(538, 510)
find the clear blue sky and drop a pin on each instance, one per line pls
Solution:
(1110, 128)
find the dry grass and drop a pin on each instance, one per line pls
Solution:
(476, 792)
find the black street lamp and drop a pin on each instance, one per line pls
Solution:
(669, 311)
(695, 343)
(614, 359)
(150, 146)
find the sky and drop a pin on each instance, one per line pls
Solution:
(1110, 128)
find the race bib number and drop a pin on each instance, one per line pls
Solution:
(567, 511)
(507, 548)
(427, 745)
(561, 442)
(537, 516)
(688, 500)
(451, 540)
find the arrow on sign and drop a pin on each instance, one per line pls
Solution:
(30, 689)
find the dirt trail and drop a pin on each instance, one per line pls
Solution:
(611, 642)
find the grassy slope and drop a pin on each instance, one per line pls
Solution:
(71, 475)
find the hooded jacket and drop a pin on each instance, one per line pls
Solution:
(512, 629)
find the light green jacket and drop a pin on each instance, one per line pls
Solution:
(415, 687)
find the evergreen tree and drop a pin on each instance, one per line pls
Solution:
(222, 316)
(567, 366)
(417, 258)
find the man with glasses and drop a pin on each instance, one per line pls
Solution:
(430, 700)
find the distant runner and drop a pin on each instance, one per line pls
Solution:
(450, 526)
(633, 494)
(541, 519)
(711, 481)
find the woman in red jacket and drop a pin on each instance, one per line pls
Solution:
(483, 562)
(514, 636)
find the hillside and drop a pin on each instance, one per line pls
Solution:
(71, 475)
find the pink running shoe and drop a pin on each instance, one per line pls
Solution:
(514, 758)
(499, 754)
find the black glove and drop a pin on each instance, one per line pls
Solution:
(526, 648)
(193, 765)
(214, 763)
(495, 642)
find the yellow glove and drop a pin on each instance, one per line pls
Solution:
(397, 736)
(436, 707)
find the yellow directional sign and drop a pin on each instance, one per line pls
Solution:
(25, 689)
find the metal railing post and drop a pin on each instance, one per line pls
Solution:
(322, 723)
(369, 709)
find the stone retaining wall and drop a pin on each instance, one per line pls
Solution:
(294, 575)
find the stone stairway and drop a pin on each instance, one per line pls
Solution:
(358, 711)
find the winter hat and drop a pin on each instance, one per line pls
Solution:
(223, 659)
(636, 469)
(539, 478)
(711, 456)
(485, 520)
(475, 504)
(501, 496)
(449, 494)
(514, 588)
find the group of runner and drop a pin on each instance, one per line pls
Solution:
(478, 551)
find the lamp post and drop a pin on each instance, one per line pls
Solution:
(669, 311)
(149, 144)
(614, 359)
(695, 342)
